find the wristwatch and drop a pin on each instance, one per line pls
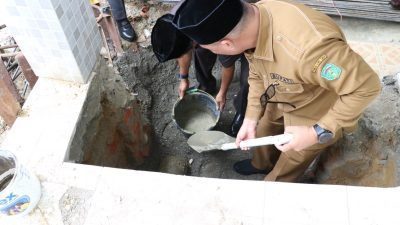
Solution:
(324, 136)
(183, 76)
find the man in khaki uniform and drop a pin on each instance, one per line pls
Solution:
(304, 78)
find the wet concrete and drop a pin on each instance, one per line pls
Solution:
(196, 112)
(209, 140)
(196, 120)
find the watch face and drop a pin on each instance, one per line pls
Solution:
(325, 137)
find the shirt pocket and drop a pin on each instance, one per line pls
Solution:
(295, 94)
(289, 47)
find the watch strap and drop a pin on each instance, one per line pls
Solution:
(319, 130)
(323, 135)
(183, 76)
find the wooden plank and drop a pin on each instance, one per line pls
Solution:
(26, 70)
(9, 106)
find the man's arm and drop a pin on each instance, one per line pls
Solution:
(345, 73)
(254, 111)
(184, 65)
(228, 70)
(341, 71)
(226, 79)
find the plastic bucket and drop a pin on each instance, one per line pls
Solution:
(196, 111)
(19, 189)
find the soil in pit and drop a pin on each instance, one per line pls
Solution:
(156, 86)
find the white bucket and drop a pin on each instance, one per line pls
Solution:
(19, 189)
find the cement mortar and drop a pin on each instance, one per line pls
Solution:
(194, 113)
(197, 120)
(209, 140)
(74, 206)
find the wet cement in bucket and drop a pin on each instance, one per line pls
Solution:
(197, 120)
(196, 112)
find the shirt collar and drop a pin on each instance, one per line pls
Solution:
(264, 48)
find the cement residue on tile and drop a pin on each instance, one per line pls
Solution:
(74, 205)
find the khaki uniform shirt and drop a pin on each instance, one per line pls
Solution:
(305, 54)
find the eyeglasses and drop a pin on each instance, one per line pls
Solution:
(270, 93)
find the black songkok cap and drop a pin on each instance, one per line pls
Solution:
(208, 21)
(167, 41)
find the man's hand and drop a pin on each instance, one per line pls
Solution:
(221, 99)
(247, 131)
(226, 79)
(303, 137)
(183, 86)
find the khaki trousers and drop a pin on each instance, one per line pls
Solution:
(285, 166)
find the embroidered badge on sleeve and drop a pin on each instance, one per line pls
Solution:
(331, 72)
(318, 62)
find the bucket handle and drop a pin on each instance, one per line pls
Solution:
(194, 89)
(191, 90)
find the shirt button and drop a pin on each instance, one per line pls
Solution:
(279, 38)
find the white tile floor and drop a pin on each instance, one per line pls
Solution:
(305, 204)
(370, 206)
